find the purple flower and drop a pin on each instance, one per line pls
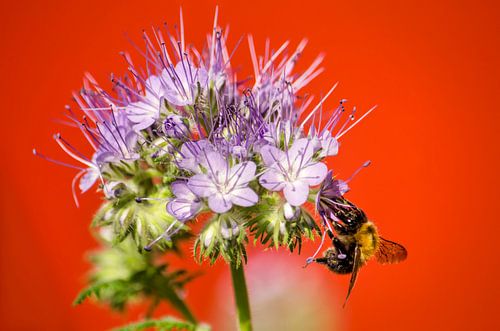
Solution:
(192, 153)
(146, 112)
(329, 145)
(186, 204)
(174, 127)
(181, 83)
(330, 190)
(224, 185)
(117, 143)
(89, 177)
(292, 171)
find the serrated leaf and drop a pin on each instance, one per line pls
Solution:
(164, 324)
(98, 289)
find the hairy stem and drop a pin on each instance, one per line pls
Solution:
(241, 297)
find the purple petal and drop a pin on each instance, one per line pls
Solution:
(105, 156)
(340, 186)
(271, 155)
(201, 185)
(154, 87)
(296, 192)
(183, 210)
(176, 98)
(191, 152)
(301, 151)
(241, 174)
(244, 197)
(313, 173)
(218, 203)
(88, 179)
(200, 76)
(181, 190)
(272, 180)
(329, 144)
(215, 164)
(130, 140)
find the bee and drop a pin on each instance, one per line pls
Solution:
(355, 241)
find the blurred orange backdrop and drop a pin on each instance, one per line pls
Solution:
(431, 66)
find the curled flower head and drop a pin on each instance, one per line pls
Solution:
(292, 171)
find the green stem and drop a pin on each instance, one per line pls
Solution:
(241, 297)
(180, 305)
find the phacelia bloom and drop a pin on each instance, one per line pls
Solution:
(224, 185)
(185, 124)
(292, 171)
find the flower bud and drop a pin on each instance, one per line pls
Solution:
(229, 229)
(290, 213)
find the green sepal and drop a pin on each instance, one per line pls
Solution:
(270, 228)
(223, 236)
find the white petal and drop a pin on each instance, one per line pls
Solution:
(175, 97)
(216, 165)
(154, 87)
(301, 152)
(181, 190)
(296, 192)
(313, 173)
(330, 147)
(201, 185)
(88, 179)
(272, 180)
(241, 174)
(244, 197)
(288, 211)
(219, 204)
(271, 155)
(183, 210)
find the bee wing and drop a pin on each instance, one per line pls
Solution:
(354, 274)
(390, 252)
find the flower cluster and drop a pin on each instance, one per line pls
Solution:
(182, 136)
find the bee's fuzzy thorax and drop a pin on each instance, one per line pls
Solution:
(367, 238)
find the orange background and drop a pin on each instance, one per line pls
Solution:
(431, 67)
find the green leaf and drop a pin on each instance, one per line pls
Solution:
(97, 290)
(164, 324)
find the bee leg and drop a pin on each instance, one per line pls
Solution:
(311, 259)
(340, 248)
(322, 260)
